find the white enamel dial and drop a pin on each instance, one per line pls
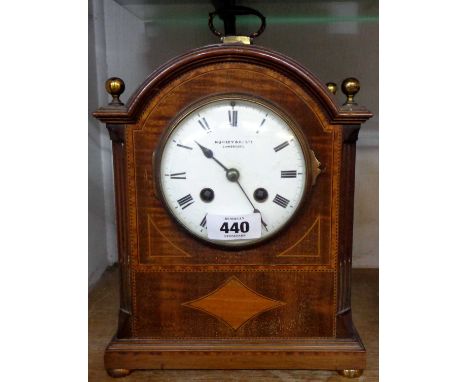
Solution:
(265, 162)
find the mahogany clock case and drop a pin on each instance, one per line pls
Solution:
(283, 303)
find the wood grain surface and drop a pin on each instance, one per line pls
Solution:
(305, 268)
(104, 303)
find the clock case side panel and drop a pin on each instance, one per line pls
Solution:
(349, 135)
(117, 136)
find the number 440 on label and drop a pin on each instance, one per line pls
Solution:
(237, 227)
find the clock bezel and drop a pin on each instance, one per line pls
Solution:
(309, 160)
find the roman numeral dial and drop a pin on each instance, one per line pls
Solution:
(202, 122)
(185, 201)
(281, 201)
(289, 174)
(231, 157)
(232, 117)
(281, 146)
(203, 222)
(177, 175)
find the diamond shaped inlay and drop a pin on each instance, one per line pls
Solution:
(234, 303)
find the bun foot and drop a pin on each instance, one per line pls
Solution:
(118, 373)
(350, 373)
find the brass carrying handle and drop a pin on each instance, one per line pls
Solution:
(236, 11)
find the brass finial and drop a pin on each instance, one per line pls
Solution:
(332, 87)
(350, 87)
(115, 87)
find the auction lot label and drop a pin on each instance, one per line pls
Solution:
(234, 227)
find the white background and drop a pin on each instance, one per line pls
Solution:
(423, 205)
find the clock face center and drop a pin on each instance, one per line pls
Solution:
(232, 174)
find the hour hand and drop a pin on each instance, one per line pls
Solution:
(206, 151)
(209, 154)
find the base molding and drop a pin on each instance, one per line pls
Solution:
(318, 354)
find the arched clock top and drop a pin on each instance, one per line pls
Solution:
(348, 114)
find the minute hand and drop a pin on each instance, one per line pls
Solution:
(255, 210)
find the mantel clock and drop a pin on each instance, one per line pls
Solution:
(234, 186)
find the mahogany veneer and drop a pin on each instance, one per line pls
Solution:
(282, 304)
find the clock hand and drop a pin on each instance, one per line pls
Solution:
(209, 154)
(255, 209)
(233, 176)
